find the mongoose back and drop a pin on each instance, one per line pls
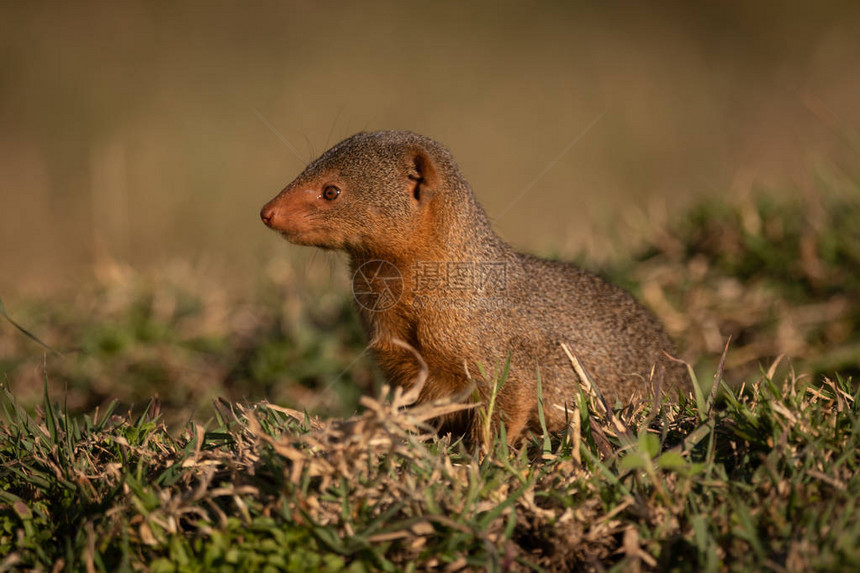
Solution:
(430, 271)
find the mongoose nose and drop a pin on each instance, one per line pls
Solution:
(267, 214)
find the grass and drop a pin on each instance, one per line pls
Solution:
(760, 476)
(768, 482)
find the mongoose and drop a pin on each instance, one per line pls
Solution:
(430, 271)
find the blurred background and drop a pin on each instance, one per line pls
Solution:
(145, 131)
(138, 141)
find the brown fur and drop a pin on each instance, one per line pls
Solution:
(403, 200)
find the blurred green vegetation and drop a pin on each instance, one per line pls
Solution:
(777, 272)
(181, 339)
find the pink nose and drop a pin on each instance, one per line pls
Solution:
(267, 214)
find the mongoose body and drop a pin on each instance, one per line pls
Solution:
(430, 271)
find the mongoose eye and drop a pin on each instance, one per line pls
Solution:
(330, 193)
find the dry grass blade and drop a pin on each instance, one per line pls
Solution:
(594, 393)
(718, 376)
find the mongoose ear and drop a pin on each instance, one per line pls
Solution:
(422, 174)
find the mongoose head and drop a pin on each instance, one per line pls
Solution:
(368, 194)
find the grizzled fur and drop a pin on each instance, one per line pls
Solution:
(468, 298)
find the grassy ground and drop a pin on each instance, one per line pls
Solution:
(762, 478)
